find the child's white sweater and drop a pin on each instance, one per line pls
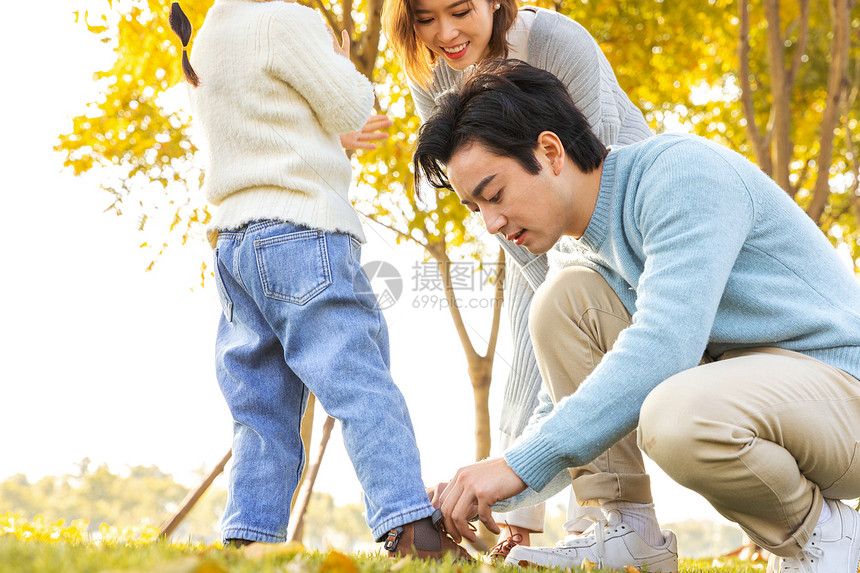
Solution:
(272, 99)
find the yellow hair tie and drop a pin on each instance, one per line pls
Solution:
(186, 48)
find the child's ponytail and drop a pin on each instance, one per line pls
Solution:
(182, 27)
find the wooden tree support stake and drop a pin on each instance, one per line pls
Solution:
(167, 528)
(297, 519)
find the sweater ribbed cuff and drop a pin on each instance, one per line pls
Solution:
(535, 461)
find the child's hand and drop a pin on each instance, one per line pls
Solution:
(342, 49)
(370, 132)
(435, 493)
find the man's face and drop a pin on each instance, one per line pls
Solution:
(529, 210)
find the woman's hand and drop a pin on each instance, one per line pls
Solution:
(372, 131)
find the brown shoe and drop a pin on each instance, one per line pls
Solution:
(423, 540)
(500, 552)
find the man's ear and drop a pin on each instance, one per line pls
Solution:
(551, 151)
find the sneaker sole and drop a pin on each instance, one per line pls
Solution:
(672, 568)
(525, 563)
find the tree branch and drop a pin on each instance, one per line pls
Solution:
(438, 252)
(780, 93)
(369, 47)
(837, 85)
(802, 177)
(497, 307)
(400, 233)
(348, 22)
(802, 40)
(758, 142)
(853, 190)
(329, 17)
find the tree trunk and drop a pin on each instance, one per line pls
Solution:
(368, 51)
(480, 367)
(481, 374)
(759, 142)
(297, 518)
(780, 90)
(837, 80)
(481, 371)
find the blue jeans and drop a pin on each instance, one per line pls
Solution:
(300, 316)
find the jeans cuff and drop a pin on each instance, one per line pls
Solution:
(251, 535)
(402, 518)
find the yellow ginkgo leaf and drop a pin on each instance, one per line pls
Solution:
(208, 567)
(186, 565)
(257, 550)
(337, 562)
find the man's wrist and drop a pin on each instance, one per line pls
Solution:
(535, 461)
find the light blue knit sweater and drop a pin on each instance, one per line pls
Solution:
(707, 253)
(563, 47)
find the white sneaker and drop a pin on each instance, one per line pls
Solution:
(833, 548)
(611, 544)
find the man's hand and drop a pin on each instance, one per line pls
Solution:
(473, 491)
(372, 131)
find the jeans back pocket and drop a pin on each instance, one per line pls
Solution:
(293, 267)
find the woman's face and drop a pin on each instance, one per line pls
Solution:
(456, 30)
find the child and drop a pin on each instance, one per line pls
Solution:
(299, 314)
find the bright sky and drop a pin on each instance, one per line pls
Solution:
(103, 360)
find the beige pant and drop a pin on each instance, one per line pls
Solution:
(763, 434)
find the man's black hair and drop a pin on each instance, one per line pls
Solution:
(504, 105)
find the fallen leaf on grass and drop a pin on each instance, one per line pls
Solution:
(258, 550)
(187, 565)
(337, 562)
(631, 569)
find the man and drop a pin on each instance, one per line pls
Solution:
(692, 298)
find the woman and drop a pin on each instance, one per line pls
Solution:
(436, 40)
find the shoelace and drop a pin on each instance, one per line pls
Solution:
(598, 531)
(801, 563)
(439, 524)
(504, 547)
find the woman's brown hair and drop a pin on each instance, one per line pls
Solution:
(398, 23)
(182, 27)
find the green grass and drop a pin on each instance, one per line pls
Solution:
(37, 556)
